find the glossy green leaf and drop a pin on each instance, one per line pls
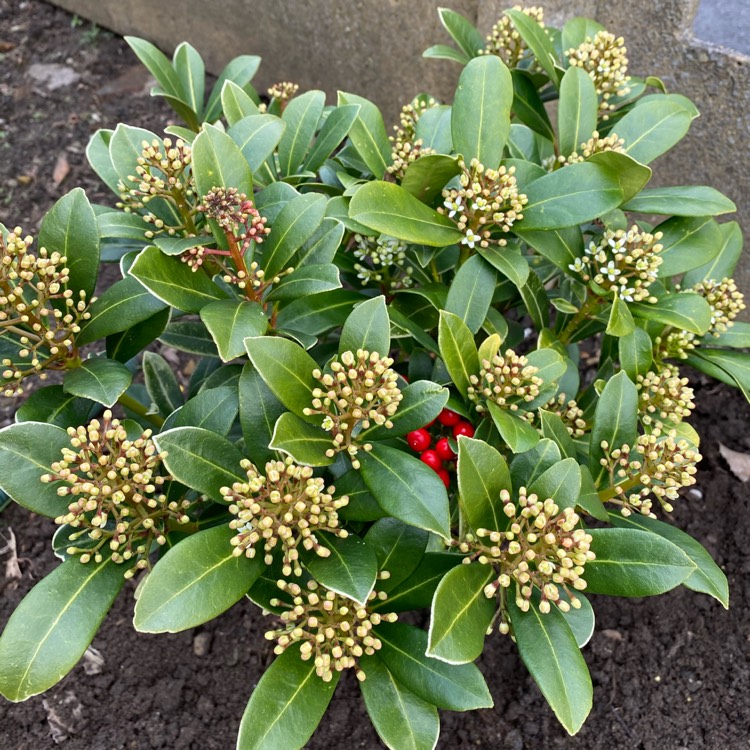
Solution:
(463, 32)
(191, 73)
(682, 200)
(561, 482)
(398, 547)
(509, 261)
(157, 63)
(528, 106)
(578, 110)
(236, 104)
(239, 71)
(723, 264)
(560, 246)
(406, 488)
(549, 650)
(101, 380)
(197, 580)
(219, 162)
(335, 128)
(458, 350)
(368, 134)
(201, 459)
(480, 119)
(728, 366)
(685, 310)
(301, 116)
(259, 410)
(516, 432)
(190, 336)
(304, 442)
(416, 591)
(553, 428)
(54, 624)
(97, 154)
(455, 687)
(402, 720)
(52, 405)
(368, 328)
(230, 322)
(161, 383)
(631, 562)
(470, 294)
(620, 321)
(127, 344)
(444, 52)
(528, 466)
(581, 621)
(461, 614)
(636, 353)
(538, 41)
(652, 128)
(214, 409)
(688, 243)
(257, 137)
(434, 129)
(428, 175)
(323, 245)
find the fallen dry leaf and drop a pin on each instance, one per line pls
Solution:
(61, 170)
(739, 463)
(93, 661)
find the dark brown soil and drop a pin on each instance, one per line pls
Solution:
(671, 672)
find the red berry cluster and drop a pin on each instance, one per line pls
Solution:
(441, 457)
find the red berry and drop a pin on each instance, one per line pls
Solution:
(432, 460)
(445, 476)
(419, 440)
(463, 428)
(449, 418)
(444, 450)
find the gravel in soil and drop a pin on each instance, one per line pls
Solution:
(669, 673)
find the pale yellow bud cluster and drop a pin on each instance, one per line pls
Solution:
(163, 171)
(360, 391)
(384, 262)
(233, 211)
(594, 145)
(334, 631)
(284, 508)
(118, 503)
(505, 42)
(657, 467)
(283, 91)
(664, 396)
(37, 311)
(604, 58)
(570, 413)
(508, 380)
(487, 202)
(726, 301)
(624, 263)
(406, 147)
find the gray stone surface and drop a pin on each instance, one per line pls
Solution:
(725, 22)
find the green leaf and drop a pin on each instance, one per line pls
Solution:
(398, 547)
(737, 336)
(259, 410)
(620, 321)
(389, 209)
(101, 380)
(530, 465)
(470, 294)
(350, 570)
(304, 442)
(455, 687)
(482, 474)
(230, 322)
(301, 116)
(70, 229)
(201, 460)
(682, 200)
(560, 246)
(615, 421)
(310, 279)
(707, 578)
(463, 32)
(458, 350)
(27, 451)
(631, 562)
(461, 614)
(286, 706)
(723, 264)
(578, 110)
(538, 42)
(402, 720)
(528, 106)
(549, 650)
(428, 175)
(239, 71)
(368, 134)
(54, 624)
(561, 482)
(416, 591)
(434, 129)
(161, 383)
(335, 128)
(189, 336)
(126, 345)
(480, 119)
(444, 52)
(686, 310)
(97, 154)
(236, 104)
(191, 72)
(576, 30)
(286, 369)
(652, 128)
(171, 281)
(294, 225)
(573, 195)
(516, 432)
(214, 409)
(323, 245)
(632, 176)
(157, 63)
(422, 402)
(636, 353)
(257, 136)
(553, 428)
(406, 488)
(197, 580)
(368, 328)
(688, 243)
(125, 304)
(52, 405)
(218, 162)
(728, 366)
(509, 261)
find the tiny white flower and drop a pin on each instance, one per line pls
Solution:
(480, 204)
(470, 239)
(453, 206)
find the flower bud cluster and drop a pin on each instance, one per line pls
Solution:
(625, 263)
(384, 261)
(726, 301)
(406, 147)
(604, 58)
(361, 390)
(664, 396)
(657, 467)
(488, 200)
(570, 413)
(594, 145)
(116, 490)
(334, 631)
(505, 42)
(284, 508)
(163, 171)
(37, 310)
(543, 548)
(234, 212)
(283, 92)
(508, 381)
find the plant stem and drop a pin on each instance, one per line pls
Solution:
(577, 319)
(138, 408)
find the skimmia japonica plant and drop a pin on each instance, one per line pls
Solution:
(438, 370)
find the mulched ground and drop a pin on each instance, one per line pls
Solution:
(670, 673)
